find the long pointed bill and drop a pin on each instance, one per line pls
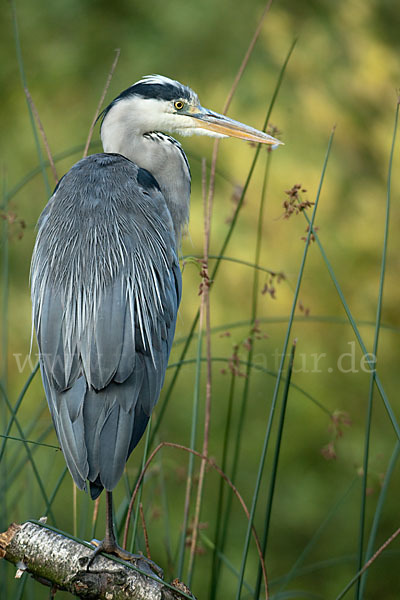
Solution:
(224, 126)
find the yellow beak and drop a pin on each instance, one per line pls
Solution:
(222, 125)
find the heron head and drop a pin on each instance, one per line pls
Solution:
(157, 103)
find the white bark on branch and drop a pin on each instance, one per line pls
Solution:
(60, 562)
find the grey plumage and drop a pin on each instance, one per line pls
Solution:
(106, 286)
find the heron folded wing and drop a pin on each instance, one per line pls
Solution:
(112, 420)
(102, 338)
(115, 438)
(128, 350)
(163, 330)
(67, 411)
(59, 358)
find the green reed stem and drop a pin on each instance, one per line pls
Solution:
(378, 511)
(359, 589)
(274, 471)
(29, 454)
(221, 528)
(189, 479)
(24, 84)
(279, 378)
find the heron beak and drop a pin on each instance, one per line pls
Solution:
(212, 121)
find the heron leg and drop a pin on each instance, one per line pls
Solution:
(110, 546)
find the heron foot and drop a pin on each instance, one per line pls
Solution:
(111, 547)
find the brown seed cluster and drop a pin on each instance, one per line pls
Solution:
(294, 204)
(205, 279)
(269, 285)
(312, 236)
(339, 420)
(304, 309)
(234, 362)
(16, 225)
(235, 199)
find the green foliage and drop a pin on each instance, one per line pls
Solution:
(315, 461)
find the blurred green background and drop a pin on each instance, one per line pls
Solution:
(344, 71)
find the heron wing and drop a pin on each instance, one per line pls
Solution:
(106, 287)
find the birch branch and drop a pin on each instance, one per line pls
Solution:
(61, 563)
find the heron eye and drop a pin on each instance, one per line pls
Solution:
(179, 104)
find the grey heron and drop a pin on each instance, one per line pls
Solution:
(106, 282)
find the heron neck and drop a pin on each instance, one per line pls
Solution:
(164, 158)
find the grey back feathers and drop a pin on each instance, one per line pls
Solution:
(106, 287)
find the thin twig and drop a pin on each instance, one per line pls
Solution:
(246, 57)
(379, 551)
(204, 310)
(146, 537)
(100, 104)
(186, 506)
(212, 464)
(229, 100)
(42, 133)
(368, 563)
